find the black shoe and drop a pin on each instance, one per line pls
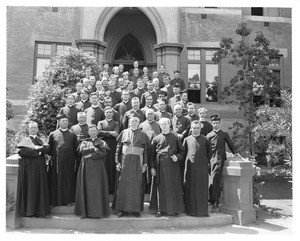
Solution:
(121, 214)
(176, 214)
(137, 214)
(158, 214)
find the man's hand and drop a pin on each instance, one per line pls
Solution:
(174, 158)
(118, 167)
(153, 172)
(38, 147)
(144, 168)
(113, 133)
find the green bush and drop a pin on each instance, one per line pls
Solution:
(47, 94)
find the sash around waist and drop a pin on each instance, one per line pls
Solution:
(132, 150)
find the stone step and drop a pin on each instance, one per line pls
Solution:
(114, 224)
(70, 209)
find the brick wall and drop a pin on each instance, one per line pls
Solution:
(25, 25)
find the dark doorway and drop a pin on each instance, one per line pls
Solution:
(129, 51)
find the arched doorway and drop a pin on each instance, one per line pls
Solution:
(129, 51)
(130, 36)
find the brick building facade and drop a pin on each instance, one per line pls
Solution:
(181, 38)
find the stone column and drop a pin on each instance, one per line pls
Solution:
(93, 47)
(12, 173)
(169, 55)
(237, 190)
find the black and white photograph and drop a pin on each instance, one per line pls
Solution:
(130, 118)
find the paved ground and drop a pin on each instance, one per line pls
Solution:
(275, 217)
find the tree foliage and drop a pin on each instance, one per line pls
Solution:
(251, 56)
(274, 129)
(59, 78)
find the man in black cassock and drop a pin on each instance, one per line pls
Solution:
(108, 130)
(94, 114)
(166, 152)
(84, 103)
(218, 139)
(62, 174)
(70, 110)
(197, 162)
(134, 112)
(123, 106)
(32, 191)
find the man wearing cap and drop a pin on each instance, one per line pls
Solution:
(70, 110)
(177, 80)
(131, 160)
(218, 139)
(63, 145)
(32, 192)
(84, 103)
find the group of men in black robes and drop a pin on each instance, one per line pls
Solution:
(109, 143)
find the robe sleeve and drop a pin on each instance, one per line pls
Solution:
(180, 150)
(99, 152)
(119, 148)
(152, 154)
(45, 149)
(51, 144)
(229, 143)
(187, 128)
(29, 152)
(146, 149)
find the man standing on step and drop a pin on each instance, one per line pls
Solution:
(62, 171)
(197, 162)
(166, 153)
(32, 193)
(218, 139)
(131, 160)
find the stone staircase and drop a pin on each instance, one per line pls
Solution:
(63, 217)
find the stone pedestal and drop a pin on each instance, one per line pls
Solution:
(12, 171)
(237, 190)
(168, 54)
(93, 47)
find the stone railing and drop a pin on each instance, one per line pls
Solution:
(237, 189)
(12, 171)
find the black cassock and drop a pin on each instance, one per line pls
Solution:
(62, 173)
(166, 191)
(206, 128)
(198, 153)
(92, 198)
(104, 128)
(32, 191)
(218, 141)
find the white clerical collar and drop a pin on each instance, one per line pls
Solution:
(82, 124)
(101, 101)
(165, 132)
(95, 106)
(34, 136)
(94, 138)
(63, 129)
(216, 130)
(167, 85)
(70, 106)
(109, 119)
(202, 119)
(133, 129)
(196, 135)
(84, 101)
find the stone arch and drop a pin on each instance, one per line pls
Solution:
(152, 14)
(116, 41)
